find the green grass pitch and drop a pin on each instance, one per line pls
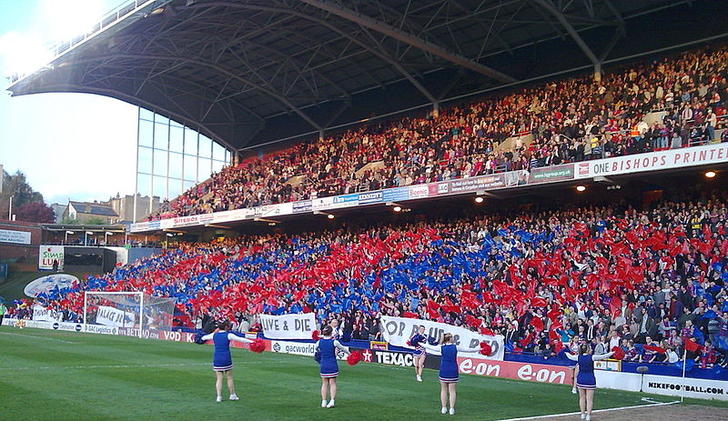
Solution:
(49, 375)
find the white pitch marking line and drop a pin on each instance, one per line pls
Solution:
(51, 367)
(36, 337)
(538, 417)
(104, 366)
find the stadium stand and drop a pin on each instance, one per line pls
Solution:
(647, 280)
(670, 102)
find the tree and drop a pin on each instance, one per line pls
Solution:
(17, 187)
(35, 212)
(70, 221)
(94, 220)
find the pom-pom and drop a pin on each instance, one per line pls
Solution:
(198, 338)
(618, 353)
(486, 349)
(315, 335)
(258, 346)
(354, 358)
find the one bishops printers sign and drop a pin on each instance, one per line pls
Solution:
(398, 330)
(288, 326)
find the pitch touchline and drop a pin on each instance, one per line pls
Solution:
(538, 417)
(49, 367)
(36, 337)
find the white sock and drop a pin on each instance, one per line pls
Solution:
(452, 411)
(443, 410)
(331, 404)
(323, 403)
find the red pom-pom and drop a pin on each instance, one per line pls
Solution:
(315, 335)
(354, 358)
(618, 353)
(486, 349)
(258, 346)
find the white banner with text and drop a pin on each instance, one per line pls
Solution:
(110, 316)
(41, 313)
(15, 237)
(654, 161)
(288, 326)
(398, 330)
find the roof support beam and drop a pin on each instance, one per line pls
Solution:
(333, 28)
(546, 4)
(220, 69)
(408, 38)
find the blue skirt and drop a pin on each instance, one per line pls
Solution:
(222, 361)
(329, 368)
(586, 381)
(449, 372)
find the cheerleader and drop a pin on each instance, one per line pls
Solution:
(222, 362)
(325, 351)
(574, 347)
(419, 353)
(586, 383)
(448, 370)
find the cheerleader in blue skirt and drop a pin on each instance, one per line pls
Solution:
(325, 351)
(449, 375)
(419, 354)
(222, 362)
(586, 383)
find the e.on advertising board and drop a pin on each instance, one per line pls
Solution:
(541, 373)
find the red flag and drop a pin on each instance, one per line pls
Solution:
(526, 341)
(553, 314)
(410, 315)
(537, 323)
(486, 331)
(654, 348)
(472, 321)
(615, 306)
(538, 302)
(691, 346)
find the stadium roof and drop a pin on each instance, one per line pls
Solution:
(248, 72)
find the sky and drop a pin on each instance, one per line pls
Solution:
(76, 146)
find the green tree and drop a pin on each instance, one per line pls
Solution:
(70, 221)
(94, 221)
(17, 187)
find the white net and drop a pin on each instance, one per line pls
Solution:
(134, 310)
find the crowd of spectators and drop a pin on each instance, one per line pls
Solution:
(653, 281)
(562, 121)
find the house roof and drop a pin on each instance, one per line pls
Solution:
(93, 208)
